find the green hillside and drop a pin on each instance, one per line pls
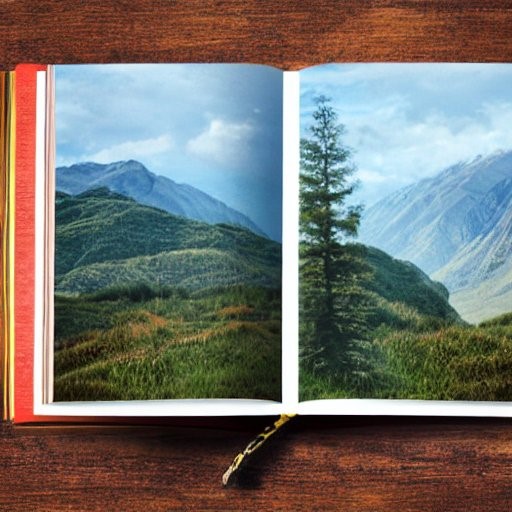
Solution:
(101, 233)
(404, 293)
(138, 343)
(419, 347)
(149, 305)
(191, 269)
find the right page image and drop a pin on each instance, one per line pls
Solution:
(405, 266)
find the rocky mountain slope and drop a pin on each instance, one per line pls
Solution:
(491, 247)
(457, 227)
(429, 221)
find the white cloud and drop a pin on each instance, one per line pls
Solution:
(368, 176)
(132, 149)
(393, 149)
(408, 122)
(223, 142)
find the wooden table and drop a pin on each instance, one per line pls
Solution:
(344, 464)
(286, 33)
(355, 464)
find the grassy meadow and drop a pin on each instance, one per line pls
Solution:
(150, 305)
(417, 345)
(429, 362)
(137, 342)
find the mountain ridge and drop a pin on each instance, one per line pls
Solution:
(425, 221)
(456, 226)
(132, 179)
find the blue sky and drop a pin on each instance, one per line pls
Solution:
(405, 122)
(214, 126)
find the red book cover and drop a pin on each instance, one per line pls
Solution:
(24, 244)
(25, 97)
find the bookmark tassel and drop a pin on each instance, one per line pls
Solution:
(256, 443)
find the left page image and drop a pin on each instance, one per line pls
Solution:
(167, 271)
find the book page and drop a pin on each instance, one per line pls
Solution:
(7, 142)
(168, 239)
(406, 239)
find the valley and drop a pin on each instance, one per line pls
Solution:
(457, 227)
(438, 315)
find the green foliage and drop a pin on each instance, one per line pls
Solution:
(368, 383)
(333, 304)
(75, 316)
(388, 316)
(190, 269)
(420, 357)
(136, 292)
(100, 226)
(454, 363)
(162, 343)
(402, 282)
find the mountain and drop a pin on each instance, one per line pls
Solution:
(104, 238)
(457, 227)
(429, 221)
(132, 179)
(490, 249)
(480, 273)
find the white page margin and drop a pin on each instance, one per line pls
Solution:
(290, 318)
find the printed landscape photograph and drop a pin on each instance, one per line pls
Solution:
(405, 232)
(168, 232)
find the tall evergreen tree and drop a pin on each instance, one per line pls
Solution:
(333, 304)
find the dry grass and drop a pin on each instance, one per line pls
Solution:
(174, 348)
(238, 311)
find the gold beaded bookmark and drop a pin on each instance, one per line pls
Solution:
(256, 443)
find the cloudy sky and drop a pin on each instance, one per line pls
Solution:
(405, 122)
(216, 127)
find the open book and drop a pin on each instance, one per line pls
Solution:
(228, 239)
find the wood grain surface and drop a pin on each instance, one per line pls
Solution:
(344, 464)
(317, 464)
(287, 33)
